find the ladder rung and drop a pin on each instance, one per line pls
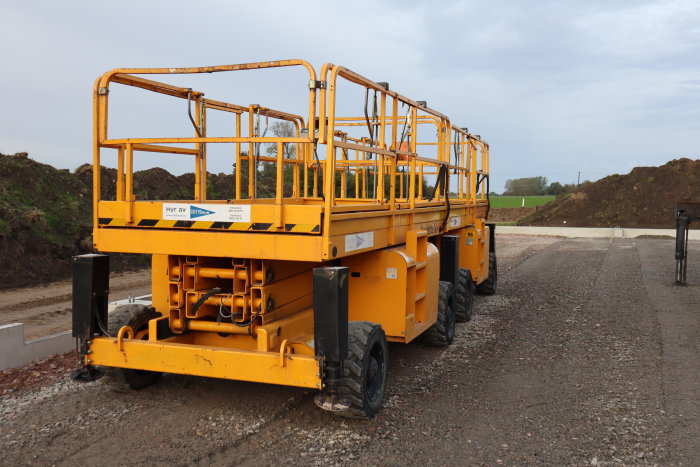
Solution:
(420, 264)
(420, 296)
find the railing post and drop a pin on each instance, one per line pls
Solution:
(129, 190)
(202, 114)
(238, 156)
(329, 172)
(120, 174)
(382, 144)
(251, 159)
(279, 189)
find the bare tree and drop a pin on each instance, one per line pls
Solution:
(283, 129)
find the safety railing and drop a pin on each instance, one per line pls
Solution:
(390, 154)
(324, 161)
(126, 147)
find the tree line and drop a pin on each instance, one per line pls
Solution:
(536, 186)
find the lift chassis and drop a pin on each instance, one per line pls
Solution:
(373, 230)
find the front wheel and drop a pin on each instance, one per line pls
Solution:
(364, 370)
(136, 316)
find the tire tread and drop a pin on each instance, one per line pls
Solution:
(360, 334)
(488, 287)
(464, 296)
(438, 334)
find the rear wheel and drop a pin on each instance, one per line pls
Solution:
(136, 316)
(488, 287)
(442, 333)
(464, 296)
(364, 370)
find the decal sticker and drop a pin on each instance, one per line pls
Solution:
(359, 241)
(206, 212)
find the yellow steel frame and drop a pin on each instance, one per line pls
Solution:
(362, 194)
(209, 361)
(403, 208)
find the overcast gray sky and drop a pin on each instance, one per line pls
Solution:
(556, 87)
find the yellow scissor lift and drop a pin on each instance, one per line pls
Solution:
(371, 234)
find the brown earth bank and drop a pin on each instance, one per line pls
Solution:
(46, 215)
(644, 198)
(510, 215)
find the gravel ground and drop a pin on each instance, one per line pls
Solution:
(37, 373)
(587, 356)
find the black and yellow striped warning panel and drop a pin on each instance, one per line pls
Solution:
(208, 225)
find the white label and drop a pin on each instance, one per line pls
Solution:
(454, 221)
(359, 241)
(392, 273)
(470, 241)
(206, 212)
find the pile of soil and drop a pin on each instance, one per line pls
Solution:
(46, 215)
(158, 183)
(510, 215)
(644, 198)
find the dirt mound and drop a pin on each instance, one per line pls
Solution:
(159, 184)
(46, 214)
(644, 198)
(509, 215)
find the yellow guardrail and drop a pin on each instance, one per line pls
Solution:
(325, 163)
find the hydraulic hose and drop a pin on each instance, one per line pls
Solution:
(204, 297)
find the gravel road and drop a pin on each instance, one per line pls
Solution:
(588, 355)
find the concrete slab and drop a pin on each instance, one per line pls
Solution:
(14, 351)
(142, 300)
(592, 232)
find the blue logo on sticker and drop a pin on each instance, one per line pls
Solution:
(196, 212)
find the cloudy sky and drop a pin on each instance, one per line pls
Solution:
(556, 87)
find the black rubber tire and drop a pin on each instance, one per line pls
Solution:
(464, 296)
(442, 333)
(364, 370)
(136, 316)
(488, 287)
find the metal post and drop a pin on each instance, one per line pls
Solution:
(682, 223)
(90, 293)
(449, 258)
(686, 213)
(90, 297)
(330, 291)
(492, 236)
